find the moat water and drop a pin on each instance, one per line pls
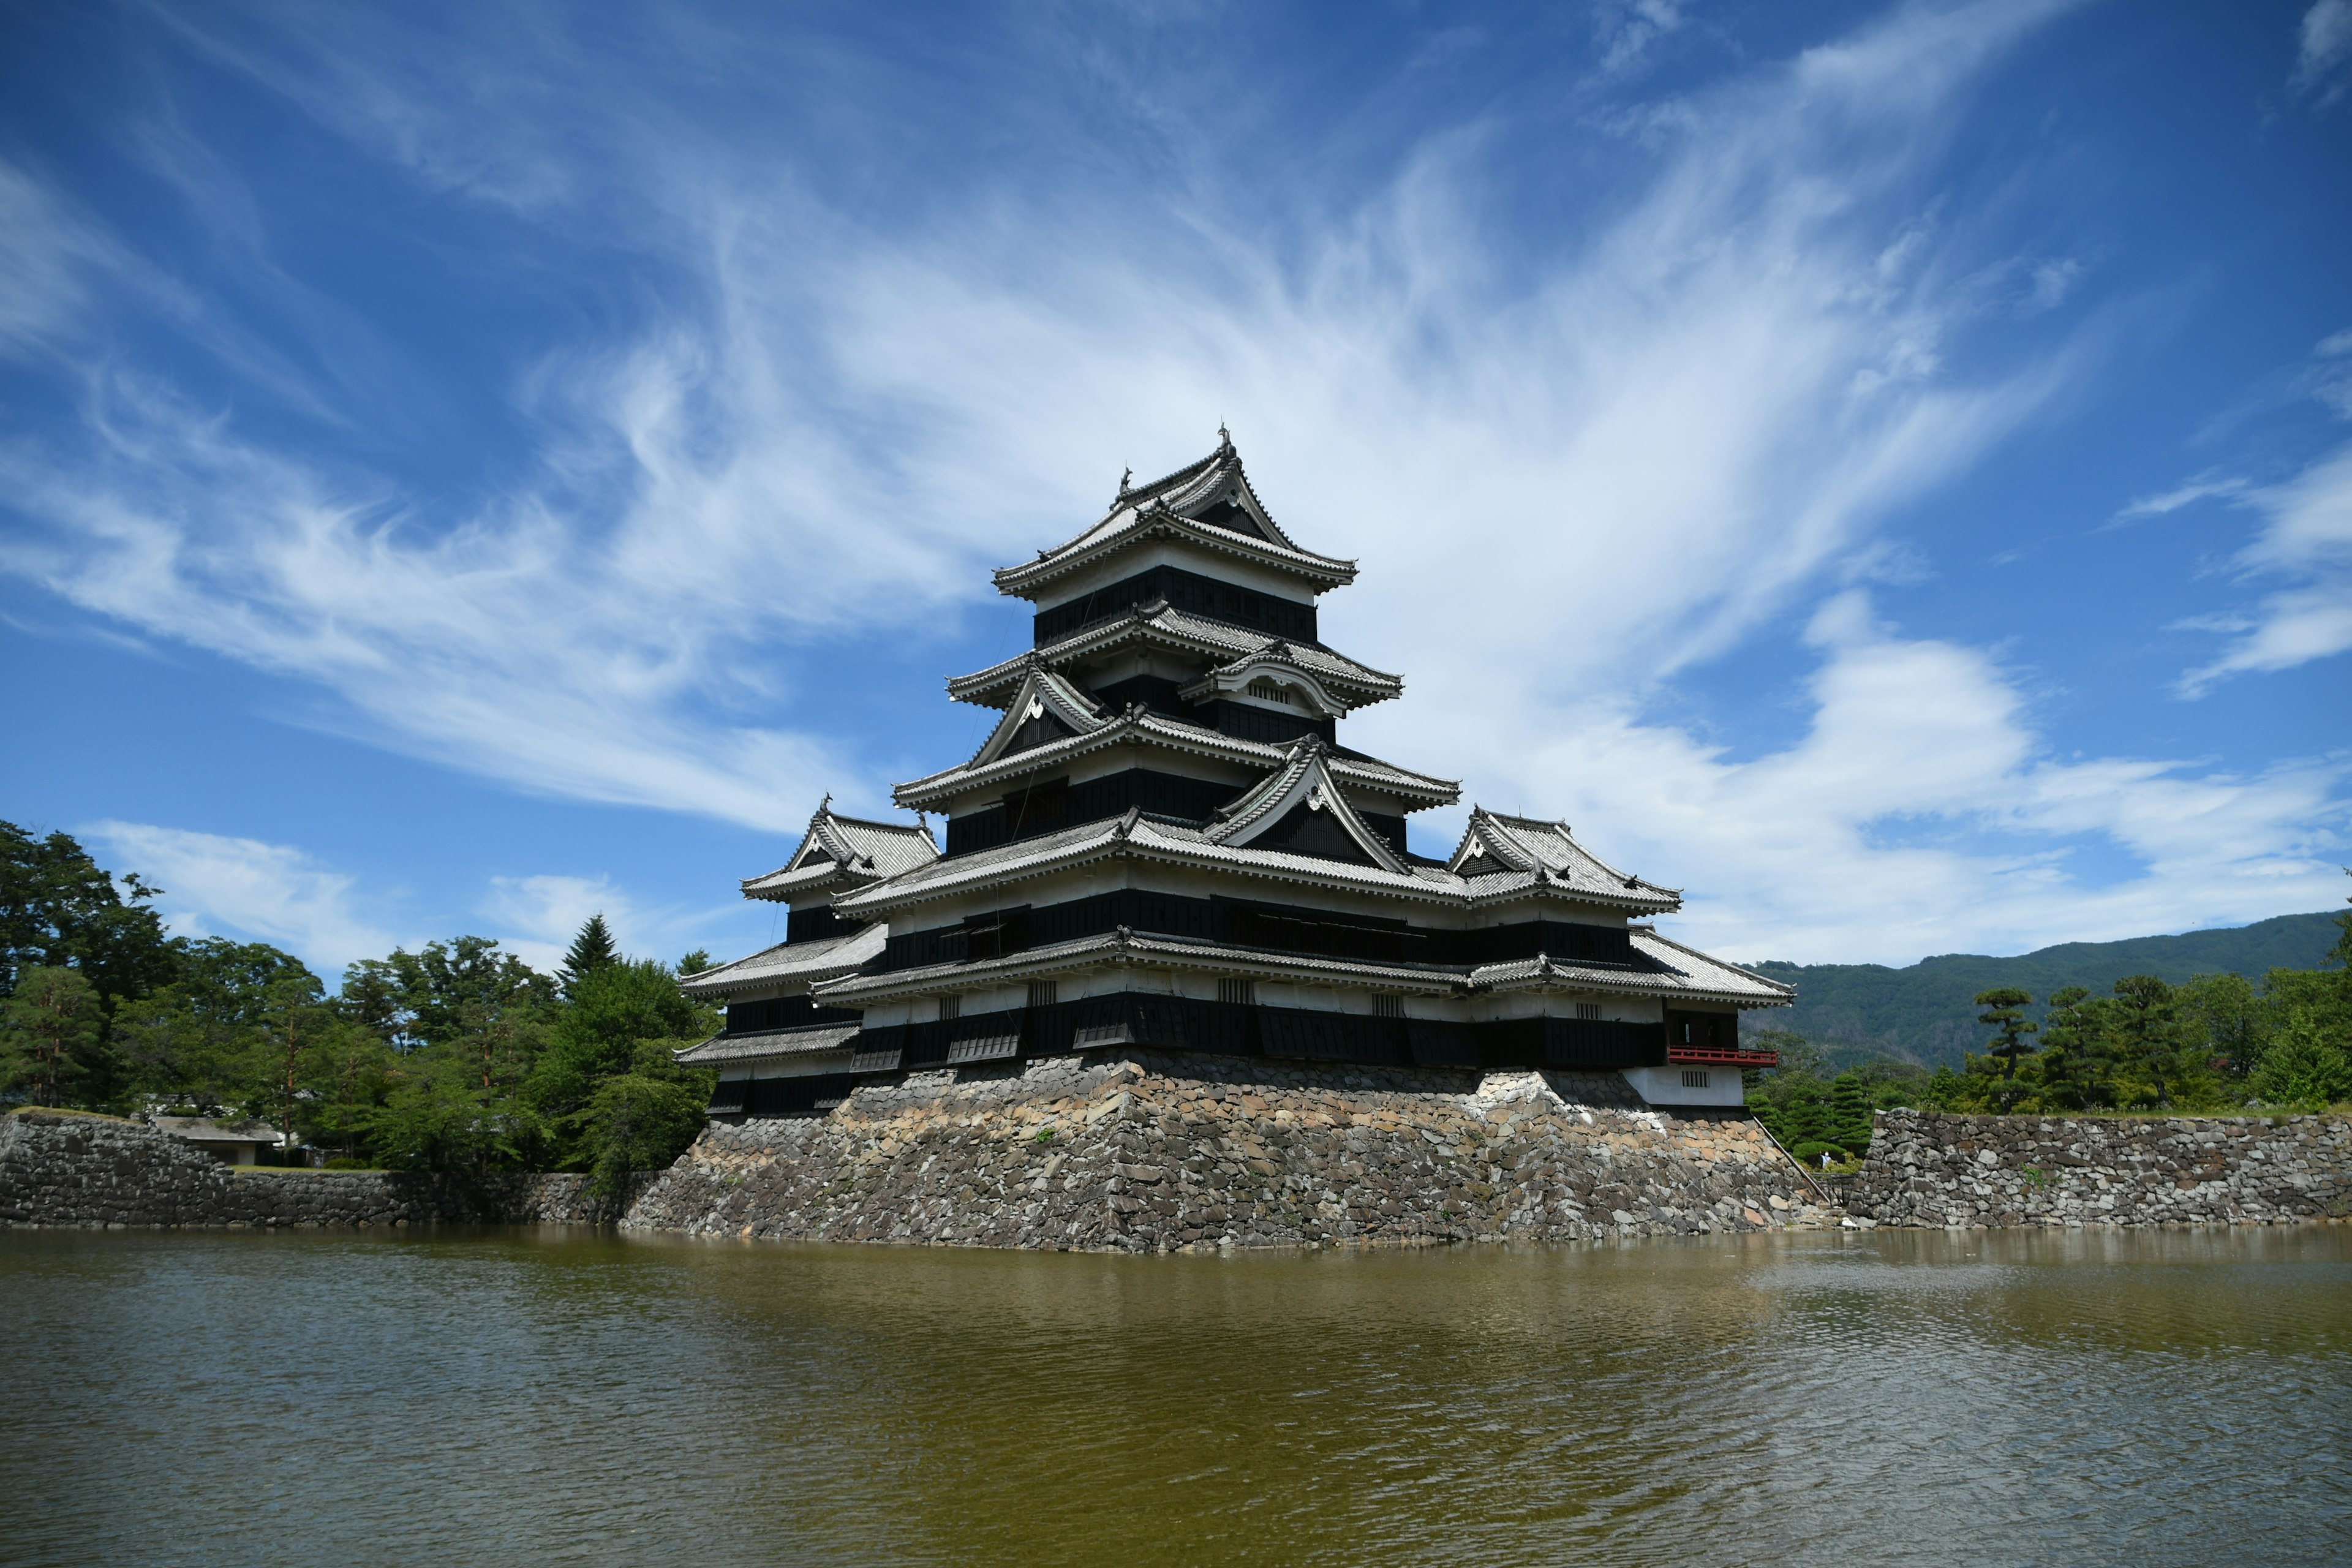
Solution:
(553, 1395)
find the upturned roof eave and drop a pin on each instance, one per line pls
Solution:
(1023, 580)
(1141, 840)
(993, 687)
(1142, 726)
(1112, 948)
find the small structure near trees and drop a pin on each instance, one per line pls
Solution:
(232, 1142)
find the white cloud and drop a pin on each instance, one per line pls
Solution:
(2307, 539)
(1679, 427)
(245, 888)
(2171, 500)
(1922, 812)
(539, 916)
(2324, 42)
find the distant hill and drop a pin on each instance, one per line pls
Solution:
(1926, 1013)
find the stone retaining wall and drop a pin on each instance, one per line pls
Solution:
(62, 1169)
(1144, 1152)
(1926, 1169)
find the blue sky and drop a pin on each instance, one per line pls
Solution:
(1888, 470)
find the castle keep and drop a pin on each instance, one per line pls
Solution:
(1165, 846)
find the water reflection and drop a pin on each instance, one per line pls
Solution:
(569, 1396)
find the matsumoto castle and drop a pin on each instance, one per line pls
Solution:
(1164, 844)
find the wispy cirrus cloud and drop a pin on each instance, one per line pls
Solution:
(2323, 50)
(2303, 548)
(215, 885)
(1583, 464)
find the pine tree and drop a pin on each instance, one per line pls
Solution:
(48, 1032)
(592, 949)
(1850, 1107)
(2148, 1029)
(2001, 1012)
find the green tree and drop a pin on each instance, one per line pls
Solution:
(614, 1009)
(2005, 1012)
(353, 1071)
(641, 1120)
(464, 1024)
(694, 962)
(200, 1040)
(2224, 1018)
(50, 1031)
(591, 951)
(294, 1030)
(59, 910)
(2304, 1066)
(1850, 1108)
(2077, 1050)
(2150, 1041)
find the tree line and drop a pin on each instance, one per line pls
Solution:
(458, 1058)
(2216, 1042)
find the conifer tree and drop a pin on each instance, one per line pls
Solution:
(1850, 1104)
(2001, 1011)
(592, 949)
(2074, 1048)
(2147, 1027)
(48, 1031)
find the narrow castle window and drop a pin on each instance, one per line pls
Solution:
(950, 1007)
(1044, 992)
(1588, 1011)
(1694, 1079)
(1237, 992)
(1267, 692)
(1387, 1006)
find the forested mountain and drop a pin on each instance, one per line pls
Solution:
(1926, 1012)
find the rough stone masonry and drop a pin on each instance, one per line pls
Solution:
(65, 1169)
(1926, 1169)
(1139, 1153)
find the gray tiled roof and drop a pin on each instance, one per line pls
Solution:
(771, 1046)
(1136, 724)
(1168, 508)
(789, 965)
(1143, 837)
(1087, 952)
(1533, 848)
(1305, 777)
(1673, 970)
(1163, 624)
(1670, 969)
(846, 851)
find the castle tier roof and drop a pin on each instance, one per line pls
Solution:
(1208, 504)
(1497, 852)
(1158, 624)
(1137, 837)
(1665, 969)
(1138, 726)
(787, 966)
(773, 1044)
(839, 852)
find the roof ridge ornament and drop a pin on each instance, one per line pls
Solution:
(1125, 482)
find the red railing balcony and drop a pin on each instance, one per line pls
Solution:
(1719, 1055)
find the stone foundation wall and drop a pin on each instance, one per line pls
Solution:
(60, 1169)
(1142, 1152)
(1926, 1169)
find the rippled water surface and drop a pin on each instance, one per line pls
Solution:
(557, 1395)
